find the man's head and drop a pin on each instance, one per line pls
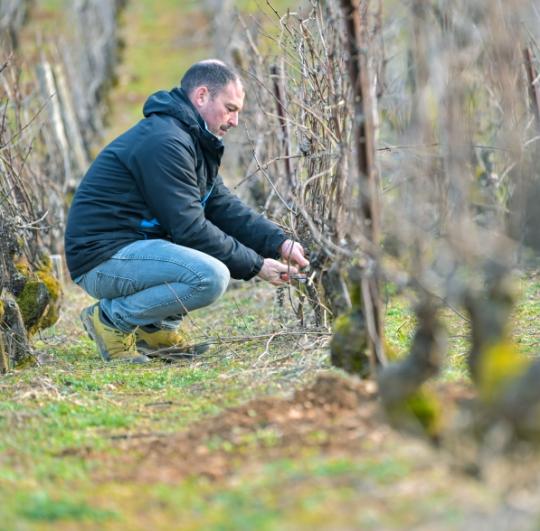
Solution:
(216, 91)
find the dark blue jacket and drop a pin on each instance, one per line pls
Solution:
(160, 180)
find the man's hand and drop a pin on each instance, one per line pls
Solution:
(275, 272)
(293, 252)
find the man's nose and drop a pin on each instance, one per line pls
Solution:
(233, 120)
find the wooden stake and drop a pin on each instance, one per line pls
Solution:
(364, 133)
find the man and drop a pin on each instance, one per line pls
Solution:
(153, 232)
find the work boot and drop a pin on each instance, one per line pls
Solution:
(167, 340)
(113, 344)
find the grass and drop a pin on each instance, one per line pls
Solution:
(41, 508)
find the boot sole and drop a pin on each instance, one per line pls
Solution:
(188, 352)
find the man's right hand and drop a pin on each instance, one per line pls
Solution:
(272, 272)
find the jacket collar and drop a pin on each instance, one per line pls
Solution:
(196, 126)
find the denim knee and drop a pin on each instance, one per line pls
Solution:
(216, 280)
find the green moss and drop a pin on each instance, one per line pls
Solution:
(426, 408)
(354, 284)
(349, 344)
(39, 300)
(32, 301)
(343, 323)
(23, 267)
(26, 362)
(355, 292)
(501, 364)
(421, 412)
(45, 262)
(20, 242)
(52, 314)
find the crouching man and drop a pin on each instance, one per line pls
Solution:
(153, 232)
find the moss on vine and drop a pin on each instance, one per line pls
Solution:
(349, 344)
(39, 299)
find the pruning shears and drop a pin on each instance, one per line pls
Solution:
(299, 277)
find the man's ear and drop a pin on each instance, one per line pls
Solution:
(200, 96)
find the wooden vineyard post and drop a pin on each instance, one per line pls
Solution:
(355, 15)
(280, 107)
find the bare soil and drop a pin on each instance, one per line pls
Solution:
(333, 415)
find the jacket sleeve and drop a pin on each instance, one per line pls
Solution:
(233, 216)
(164, 168)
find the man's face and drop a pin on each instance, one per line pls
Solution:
(221, 111)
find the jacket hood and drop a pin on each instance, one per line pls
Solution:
(176, 103)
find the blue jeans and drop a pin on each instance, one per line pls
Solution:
(154, 283)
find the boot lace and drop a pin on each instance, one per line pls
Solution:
(126, 340)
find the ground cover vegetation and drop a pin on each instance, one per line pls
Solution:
(397, 142)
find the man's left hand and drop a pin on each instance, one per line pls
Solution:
(293, 252)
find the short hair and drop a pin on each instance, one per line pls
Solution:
(210, 73)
